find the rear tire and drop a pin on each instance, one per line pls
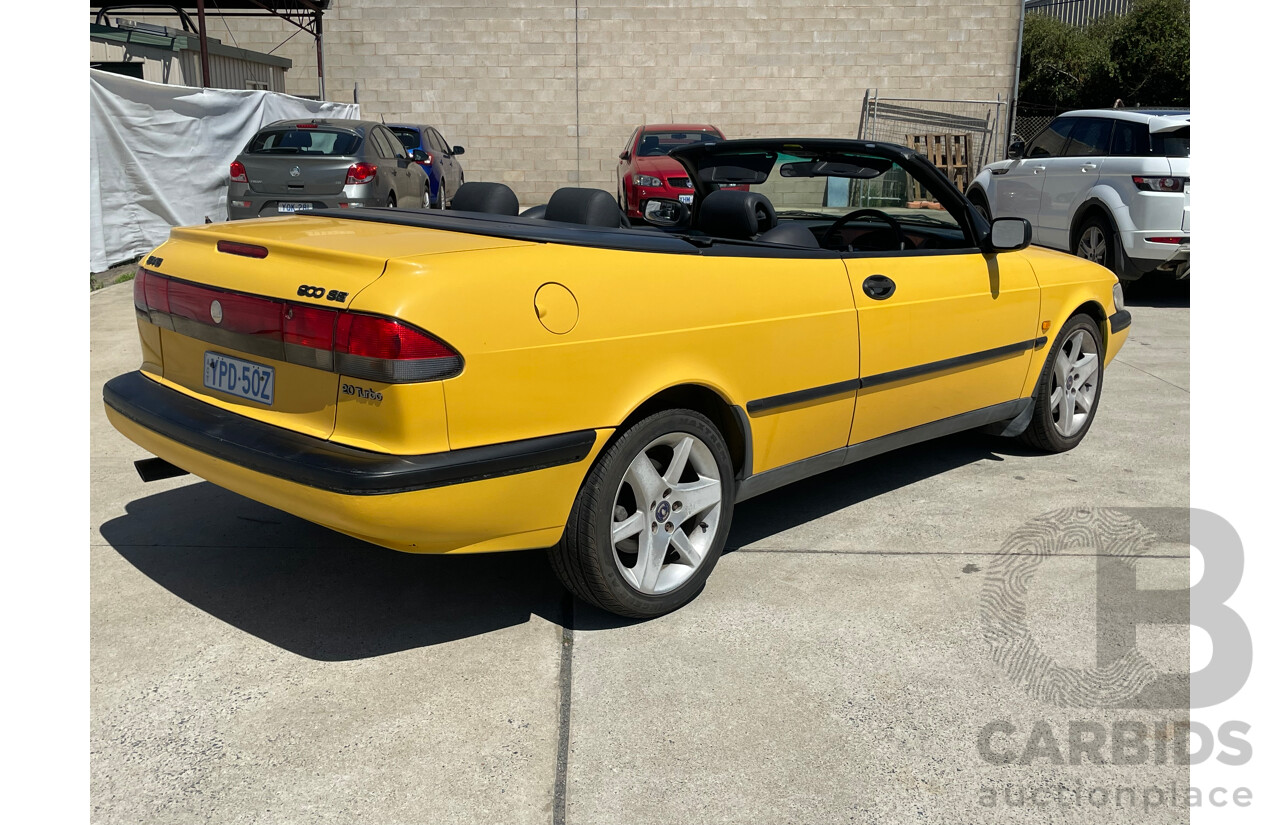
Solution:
(391, 200)
(651, 517)
(1096, 242)
(1069, 389)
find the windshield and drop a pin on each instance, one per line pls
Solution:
(653, 144)
(828, 184)
(301, 141)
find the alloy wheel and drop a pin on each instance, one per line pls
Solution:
(1074, 387)
(1093, 245)
(666, 513)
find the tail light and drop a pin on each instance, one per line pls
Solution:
(238, 173)
(355, 344)
(430, 159)
(361, 173)
(1162, 184)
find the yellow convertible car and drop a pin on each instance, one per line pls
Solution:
(480, 380)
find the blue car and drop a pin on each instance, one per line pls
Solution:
(433, 154)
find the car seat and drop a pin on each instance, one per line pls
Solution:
(592, 207)
(732, 213)
(479, 196)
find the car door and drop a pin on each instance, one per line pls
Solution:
(408, 185)
(624, 167)
(1067, 178)
(942, 333)
(450, 173)
(1017, 192)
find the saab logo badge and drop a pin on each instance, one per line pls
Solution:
(152, 260)
(295, 171)
(215, 311)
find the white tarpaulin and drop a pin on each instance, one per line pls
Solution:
(159, 155)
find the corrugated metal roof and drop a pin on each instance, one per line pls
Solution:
(184, 42)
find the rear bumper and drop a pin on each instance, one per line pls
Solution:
(496, 497)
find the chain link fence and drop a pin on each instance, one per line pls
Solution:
(957, 136)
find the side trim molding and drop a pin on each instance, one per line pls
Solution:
(780, 476)
(786, 399)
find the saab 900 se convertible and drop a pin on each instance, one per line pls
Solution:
(477, 380)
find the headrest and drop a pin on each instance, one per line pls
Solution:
(477, 196)
(593, 207)
(732, 213)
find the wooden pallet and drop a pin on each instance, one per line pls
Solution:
(950, 153)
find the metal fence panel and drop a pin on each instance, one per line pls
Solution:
(958, 136)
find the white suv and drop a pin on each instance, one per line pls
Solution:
(1110, 185)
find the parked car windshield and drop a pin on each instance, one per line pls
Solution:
(828, 184)
(304, 142)
(653, 144)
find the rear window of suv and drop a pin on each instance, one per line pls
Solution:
(1132, 139)
(304, 142)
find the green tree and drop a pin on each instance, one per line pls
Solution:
(1143, 57)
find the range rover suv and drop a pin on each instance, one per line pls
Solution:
(1110, 185)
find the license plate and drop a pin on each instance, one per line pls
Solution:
(243, 379)
(293, 207)
(686, 198)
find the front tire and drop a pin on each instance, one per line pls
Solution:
(979, 202)
(651, 518)
(1069, 388)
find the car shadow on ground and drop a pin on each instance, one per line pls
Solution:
(328, 597)
(1159, 291)
(822, 495)
(318, 593)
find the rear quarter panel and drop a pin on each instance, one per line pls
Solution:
(745, 328)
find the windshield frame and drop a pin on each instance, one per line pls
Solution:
(695, 157)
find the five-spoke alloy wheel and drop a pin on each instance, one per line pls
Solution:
(651, 518)
(1069, 387)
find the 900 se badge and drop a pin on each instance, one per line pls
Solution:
(307, 291)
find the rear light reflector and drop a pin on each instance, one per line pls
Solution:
(1168, 239)
(361, 173)
(246, 249)
(352, 343)
(1160, 184)
(238, 173)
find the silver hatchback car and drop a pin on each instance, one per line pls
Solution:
(299, 165)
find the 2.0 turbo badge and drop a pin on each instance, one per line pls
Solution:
(361, 392)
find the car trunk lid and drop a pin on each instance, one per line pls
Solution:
(297, 174)
(248, 311)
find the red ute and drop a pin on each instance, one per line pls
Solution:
(645, 171)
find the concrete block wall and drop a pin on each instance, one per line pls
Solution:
(544, 93)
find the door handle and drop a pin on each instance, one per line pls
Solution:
(1088, 167)
(878, 287)
(1035, 170)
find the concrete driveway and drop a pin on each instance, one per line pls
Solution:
(250, 667)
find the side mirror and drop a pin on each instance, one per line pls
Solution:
(624, 156)
(666, 213)
(458, 150)
(1016, 148)
(418, 154)
(1009, 235)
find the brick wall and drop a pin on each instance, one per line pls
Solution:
(543, 93)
